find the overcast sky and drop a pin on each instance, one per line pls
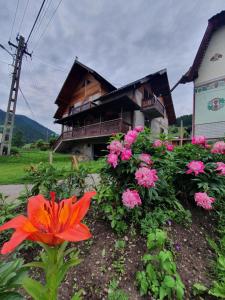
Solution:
(123, 40)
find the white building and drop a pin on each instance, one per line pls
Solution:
(208, 75)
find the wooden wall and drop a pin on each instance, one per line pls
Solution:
(85, 90)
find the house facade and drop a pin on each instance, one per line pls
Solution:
(91, 109)
(208, 75)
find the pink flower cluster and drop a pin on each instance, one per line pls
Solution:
(195, 167)
(159, 143)
(115, 147)
(130, 138)
(146, 177)
(145, 159)
(199, 140)
(139, 128)
(131, 198)
(203, 200)
(126, 154)
(112, 159)
(218, 148)
(220, 168)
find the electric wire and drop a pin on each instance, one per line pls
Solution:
(47, 25)
(27, 103)
(14, 19)
(35, 22)
(42, 18)
(24, 13)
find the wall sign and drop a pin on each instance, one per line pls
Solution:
(216, 104)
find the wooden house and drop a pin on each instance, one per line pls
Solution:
(91, 109)
(208, 75)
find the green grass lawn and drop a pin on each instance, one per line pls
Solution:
(12, 168)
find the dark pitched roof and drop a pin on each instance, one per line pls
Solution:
(78, 66)
(213, 24)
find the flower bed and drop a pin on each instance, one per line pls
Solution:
(148, 189)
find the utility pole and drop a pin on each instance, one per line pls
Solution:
(6, 142)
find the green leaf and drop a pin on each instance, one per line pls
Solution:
(35, 289)
(11, 296)
(169, 281)
(199, 289)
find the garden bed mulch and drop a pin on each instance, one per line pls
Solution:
(102, 261)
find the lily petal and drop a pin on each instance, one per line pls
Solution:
(15, 223)
(17, 238)
(37, 213)
(78, 233)
(81, 207)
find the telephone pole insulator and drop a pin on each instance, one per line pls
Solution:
(6, 142)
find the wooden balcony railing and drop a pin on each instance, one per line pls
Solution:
(153, 104)
(85, 106)
(106, 128)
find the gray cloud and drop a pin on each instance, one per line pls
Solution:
(122, 40)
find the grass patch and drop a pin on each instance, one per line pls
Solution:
(12, 168)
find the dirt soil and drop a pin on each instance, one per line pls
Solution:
(102, 261)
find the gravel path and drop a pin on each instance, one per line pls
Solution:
(13, 190)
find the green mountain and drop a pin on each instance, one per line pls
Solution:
(30, 130)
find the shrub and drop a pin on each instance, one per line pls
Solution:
(154, 177)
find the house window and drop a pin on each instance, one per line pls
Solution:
(85, 82)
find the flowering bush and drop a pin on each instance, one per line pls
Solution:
(147, 175)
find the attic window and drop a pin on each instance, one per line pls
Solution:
(85, 82)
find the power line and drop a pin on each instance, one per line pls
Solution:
(47, 25)
(43, 2)
(50, 65)
(24, 13)
(43, 16)
(27, 103)
(14, 20)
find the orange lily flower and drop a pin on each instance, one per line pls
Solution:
(50, 222)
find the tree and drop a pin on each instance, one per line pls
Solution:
(18, 139)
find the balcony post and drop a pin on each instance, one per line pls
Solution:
(100, 128)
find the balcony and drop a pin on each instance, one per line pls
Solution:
(100, 129)
(87, 105)
(153, 107)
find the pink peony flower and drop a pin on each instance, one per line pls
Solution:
(112, 159)
(146, 177)
(199, 140)
(126, 154)
(203, 200)
(139, 128)
(131, 198)
(115, 147)
(169, 147)
(218, 147)
(146, 159)
(196, 167)
(130, 137)
(157, 143)
(221, 168)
